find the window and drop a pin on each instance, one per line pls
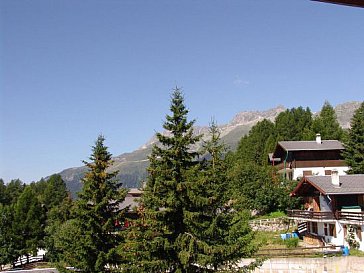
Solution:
(305, 173)
(358, 232)
(329, 230)
(326, 230)
(314, 228)
(332, 230)
(327, 172)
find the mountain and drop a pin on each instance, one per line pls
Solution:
(345, 112)
(132, 166)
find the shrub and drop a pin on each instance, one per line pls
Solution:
(291, 242)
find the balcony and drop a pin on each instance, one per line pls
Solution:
(313, 216)
(348, 217)
(345, 217)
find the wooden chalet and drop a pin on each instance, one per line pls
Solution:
(131, 204)
(295, 159)
(333, 208)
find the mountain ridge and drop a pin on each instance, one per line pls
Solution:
(132, 165)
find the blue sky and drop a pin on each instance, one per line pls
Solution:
(72, 69)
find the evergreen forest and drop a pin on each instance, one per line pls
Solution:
(194, 212)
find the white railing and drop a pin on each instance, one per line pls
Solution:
(30, 259)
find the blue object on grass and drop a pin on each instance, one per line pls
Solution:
(345, 250)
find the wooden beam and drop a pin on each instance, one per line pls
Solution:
(353, 3)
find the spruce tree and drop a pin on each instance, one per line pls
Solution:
(55, 191)
(13, 190)
(326, 124)
(255, 146)
(218, 236)
(354, 144)
(293, 124)
(164, 197)
(8, 244)
(185, 223)
(88, 241)
(29, 219)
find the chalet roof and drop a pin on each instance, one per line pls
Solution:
(311, 145)
(131, 199)
(349, 184)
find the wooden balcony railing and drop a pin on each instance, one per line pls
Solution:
(350, 216)
(345, 216)
(312, 163)
(311, 215)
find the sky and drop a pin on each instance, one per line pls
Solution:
(71, 70)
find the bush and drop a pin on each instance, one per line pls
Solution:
(276, 214)
(291, 242)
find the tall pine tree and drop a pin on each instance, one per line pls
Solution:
(165, 194)
(326, 124)
(354, 145)
(185, 224)
(29, 217)
(88, 242)
(8, 243)
(218, 235)
(293, 124)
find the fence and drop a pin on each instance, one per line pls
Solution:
(23, 260)
(299, 252)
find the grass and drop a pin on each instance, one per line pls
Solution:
(356, 252)
(44, 265)
(269, 239)
(291, 242)
(275, 214)
(272, 240)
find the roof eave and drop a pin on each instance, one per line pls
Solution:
(303, 180)
(344, 193)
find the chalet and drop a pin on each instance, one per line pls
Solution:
(131, 199)
(131, 204)
(333, 209)
(295, 159)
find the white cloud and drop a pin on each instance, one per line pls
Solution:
(239, 82)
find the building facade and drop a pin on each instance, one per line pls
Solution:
(333, 209)
(296, 159)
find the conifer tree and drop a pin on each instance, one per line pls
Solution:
(293, 124)
(55, 191)
(29, 219)
(8, 244)
(2, 192)
(164, 197)
(13, 190)
(255, 146)
(218, 236)
(88, 241)
(185, 224)
(56, 216)
(354, 144)
(326, 124)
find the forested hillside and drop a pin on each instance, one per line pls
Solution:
(207, 194)
(132, 166)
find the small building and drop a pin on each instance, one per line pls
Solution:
(131, 198)
(295, 159)
(333, 209)
(131, 204)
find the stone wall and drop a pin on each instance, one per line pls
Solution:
(272, 225)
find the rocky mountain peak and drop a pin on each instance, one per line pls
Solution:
(252, 117)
